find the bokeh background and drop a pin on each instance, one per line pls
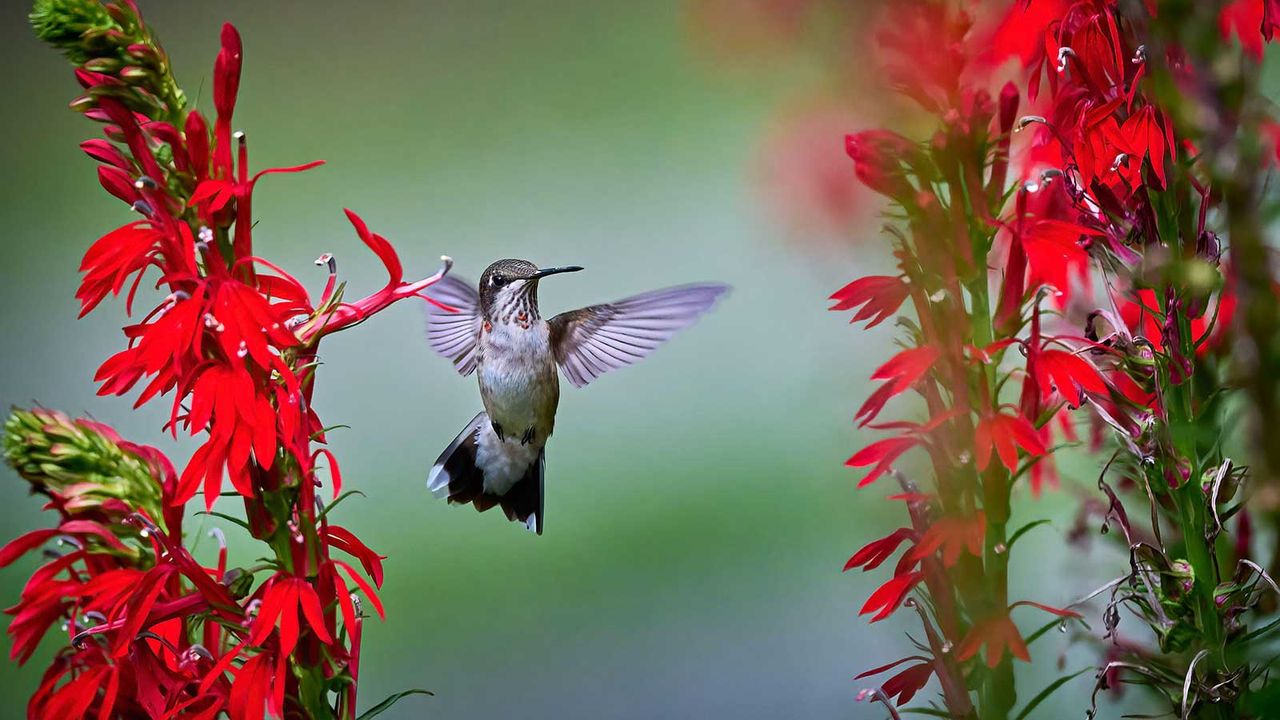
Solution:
(698, 511)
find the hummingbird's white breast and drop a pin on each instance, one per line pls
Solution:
(520, 388)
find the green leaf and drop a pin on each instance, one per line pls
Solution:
(383, 706)
(1023, 530)
(325, 513)
(1045, 693)
(1057, 622)
(226, 517)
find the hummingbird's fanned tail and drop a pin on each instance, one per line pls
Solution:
(459, 477)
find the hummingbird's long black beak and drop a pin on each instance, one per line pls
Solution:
(554, 270)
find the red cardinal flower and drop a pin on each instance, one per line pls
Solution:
(879, 297)
(1069, 373)
(953, 535)
(882, 453)
(998, 634)
(901, 372)
(1006, 433)
(150, 632)
(877, 551)
(889, 596)
(906, 683)
(878, 158)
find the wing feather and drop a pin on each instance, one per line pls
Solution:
(455, 335)
(594, 340)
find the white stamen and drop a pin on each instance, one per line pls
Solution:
(1026, 120)
(1063, 53)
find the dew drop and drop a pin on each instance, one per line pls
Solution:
(946, 647)
(1062, 626)
(144, 533)
(1000, 549)
(1106, 528)
(243, 350)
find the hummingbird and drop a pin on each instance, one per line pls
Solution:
(495, 330)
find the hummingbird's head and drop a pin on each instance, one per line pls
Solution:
(509, 287)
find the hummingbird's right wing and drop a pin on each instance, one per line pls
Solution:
(594, 340)
(455, 335)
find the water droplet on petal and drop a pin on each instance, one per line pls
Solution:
(243, 350)
(1062, 626)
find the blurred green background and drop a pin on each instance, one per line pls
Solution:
(697, 514)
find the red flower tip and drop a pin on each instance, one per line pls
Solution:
(226, 72)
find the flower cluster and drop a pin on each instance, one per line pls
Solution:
(153, 632)
(977, 335)
(1097, 283)
(1137, 169)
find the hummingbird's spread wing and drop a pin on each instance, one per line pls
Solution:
(596, 339)
(455, 335)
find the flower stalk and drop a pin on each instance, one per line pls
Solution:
(234, 342)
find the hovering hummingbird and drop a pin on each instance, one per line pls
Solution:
(498, 333)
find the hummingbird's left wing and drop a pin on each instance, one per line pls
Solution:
(455, 335)
(594, 340)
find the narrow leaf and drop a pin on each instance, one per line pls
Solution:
(226, 517)
(1045, 693)
(1023, 530)
(385, 705)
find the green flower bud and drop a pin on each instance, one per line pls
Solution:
(64, 23)
(79, 462)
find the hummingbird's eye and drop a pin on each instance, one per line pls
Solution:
(499, 280)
